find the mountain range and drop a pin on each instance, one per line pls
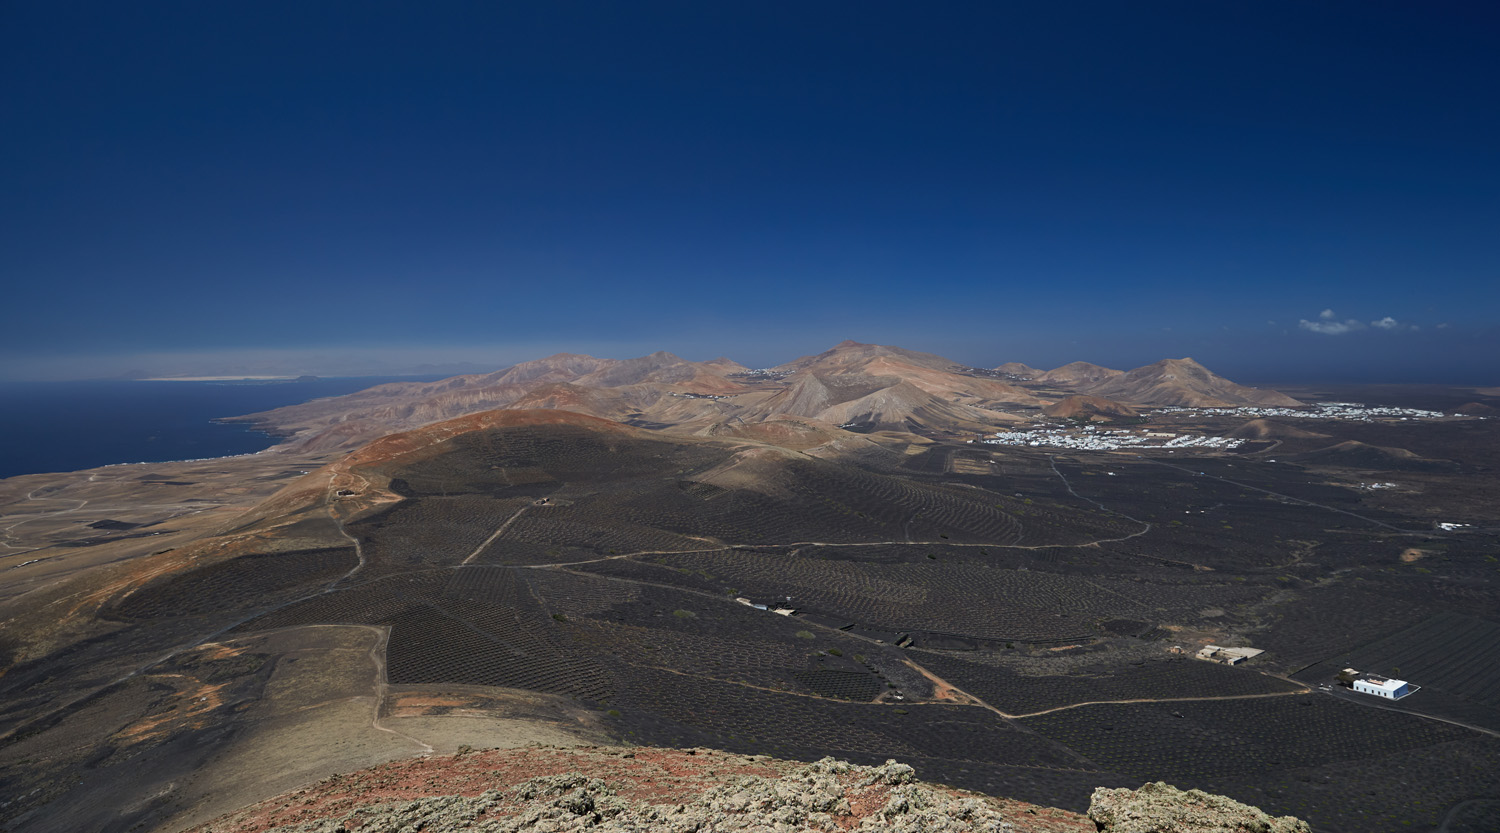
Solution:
(855, 387)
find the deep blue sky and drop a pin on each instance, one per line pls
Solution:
(308, 186)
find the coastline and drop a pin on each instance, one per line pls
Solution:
(55, 427)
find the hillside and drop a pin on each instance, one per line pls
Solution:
(1357, 455)
(1266, 429)
(1184, 382)
(1078, 375)
(1082, 404)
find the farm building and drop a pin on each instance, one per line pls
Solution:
(1228, 656)
(1382, 686)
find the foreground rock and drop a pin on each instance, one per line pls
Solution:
(613, 789)
(1162, 808)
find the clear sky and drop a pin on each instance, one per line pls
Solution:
(1279, 189)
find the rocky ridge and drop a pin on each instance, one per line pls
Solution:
(1162, 808)
(624, 790)
(612, 790)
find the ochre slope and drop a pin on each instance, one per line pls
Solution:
(1081, 404)
(1186, 383)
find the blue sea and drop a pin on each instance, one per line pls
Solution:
(67, 426)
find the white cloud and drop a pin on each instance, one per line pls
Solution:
(1329, 327)
(1329, 324)
(1391, 325)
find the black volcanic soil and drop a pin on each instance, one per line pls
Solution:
(1016, 621)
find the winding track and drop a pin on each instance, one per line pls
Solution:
(31, 495)
(382, 686)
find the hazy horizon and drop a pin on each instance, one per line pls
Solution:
(1220, 357)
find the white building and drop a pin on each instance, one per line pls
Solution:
(1382, 687)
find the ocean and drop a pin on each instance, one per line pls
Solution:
(67, 426)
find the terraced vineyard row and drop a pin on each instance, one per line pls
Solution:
(430, 531)
(243, 583)
(530, 461)
(578, 527)
(430, 645)
(962, 599)
(1323, 622)
(369, 603)
(573, 595)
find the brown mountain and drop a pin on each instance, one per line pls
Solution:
(1019, 370)
(852, 365)
(1077, 374)
(874, 387)
(1186, 383)
(1265, 429)
(1080, 404)
(906, 406)
(347, 421)
(863, 387)
(873, 390)
(1357, 455)
(848, 355)
(663, 368)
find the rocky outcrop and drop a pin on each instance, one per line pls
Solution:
(1162, 808)
(617, 790)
